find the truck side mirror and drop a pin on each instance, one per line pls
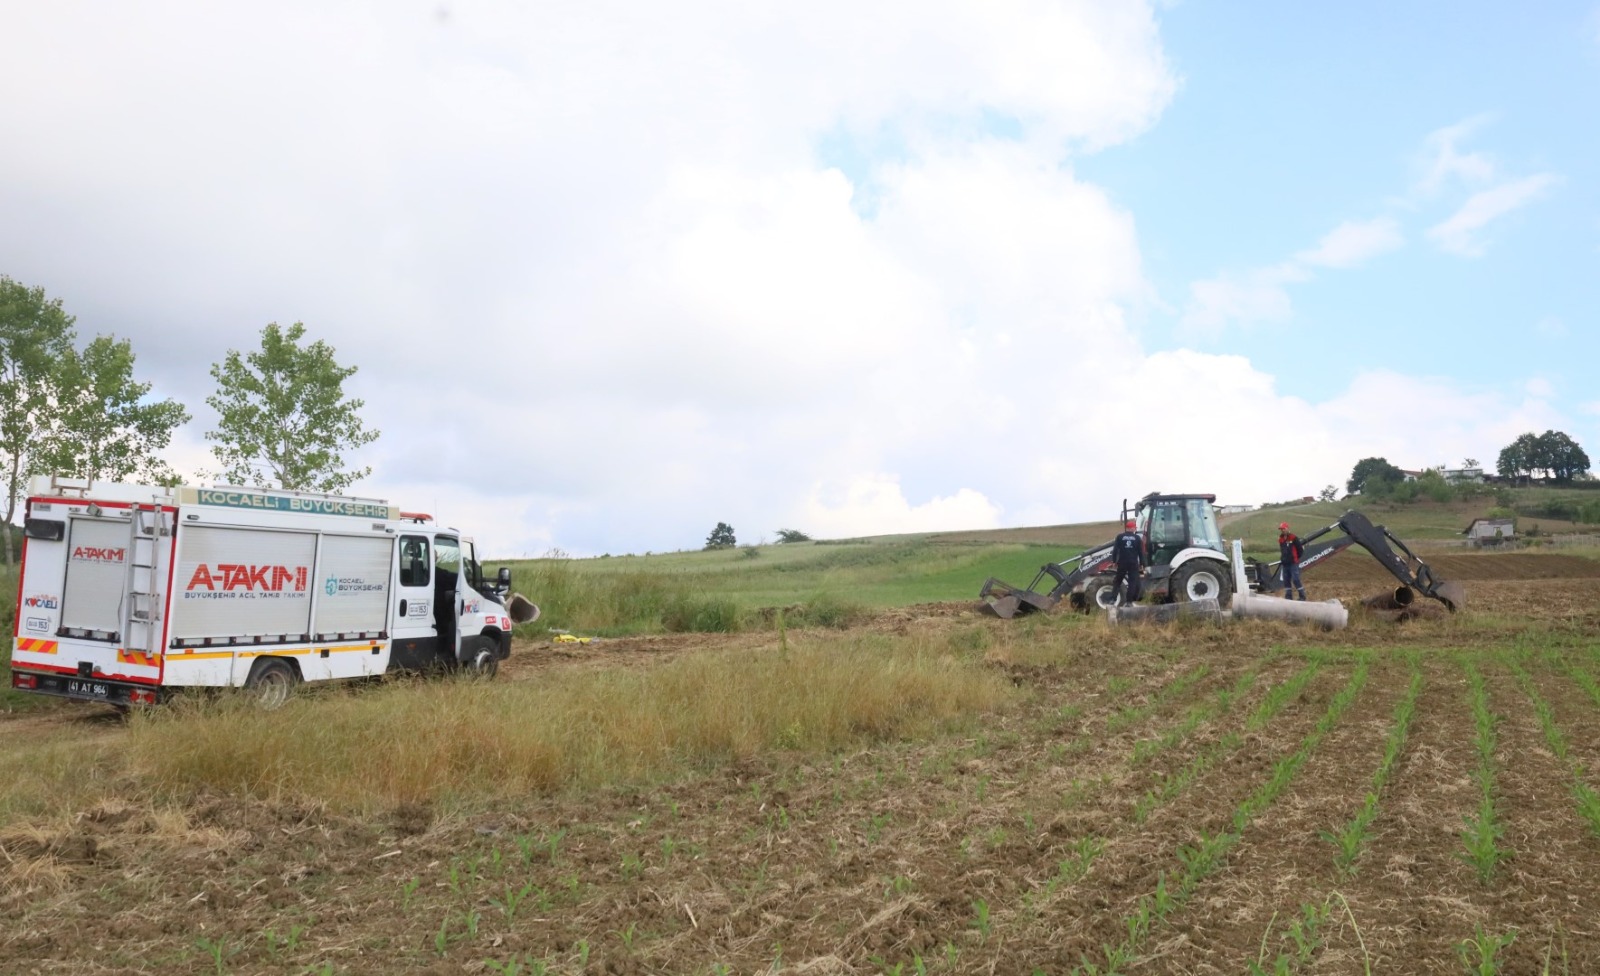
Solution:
(505, 576)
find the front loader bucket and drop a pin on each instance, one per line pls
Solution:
(1006, 601)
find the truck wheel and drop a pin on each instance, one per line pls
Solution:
(1201, 579)
(483, 659)
(484, 664)
(273, 680)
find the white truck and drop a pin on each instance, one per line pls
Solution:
(127, 592)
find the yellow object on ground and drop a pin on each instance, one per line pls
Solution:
(571, 639)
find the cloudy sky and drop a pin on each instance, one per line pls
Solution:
(613, 272)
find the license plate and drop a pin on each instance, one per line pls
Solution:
(93, 689)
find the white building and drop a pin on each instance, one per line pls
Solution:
(1490, 532)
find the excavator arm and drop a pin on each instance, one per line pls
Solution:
(1359, 530)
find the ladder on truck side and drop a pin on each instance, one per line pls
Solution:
(141, 632)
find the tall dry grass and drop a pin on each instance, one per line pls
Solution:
(467, 741)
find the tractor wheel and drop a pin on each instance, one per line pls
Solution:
(1099, 595)
(272, 679)
(1202, 579)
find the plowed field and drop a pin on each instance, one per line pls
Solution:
(1389, 798)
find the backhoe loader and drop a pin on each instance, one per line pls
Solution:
(1188, 562)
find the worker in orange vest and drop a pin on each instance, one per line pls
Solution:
(1290, 552)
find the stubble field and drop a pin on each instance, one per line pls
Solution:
(1391, 798)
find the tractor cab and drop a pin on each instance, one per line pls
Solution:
(1173, 523)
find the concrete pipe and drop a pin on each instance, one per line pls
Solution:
(1328, 614)
(1400, 598)
(1160, 613)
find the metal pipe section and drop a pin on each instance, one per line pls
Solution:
(1160, 613)
(1327, 614)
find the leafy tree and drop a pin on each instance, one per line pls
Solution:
(1373, 476)
(1553, 454)
(1328, 494)
(1432, 485)
(1561, 456)
(284, 418)
(35, 335)
(105, 428)
(721, 537)
(1519, 458)
(792, 535)
(1469, 463)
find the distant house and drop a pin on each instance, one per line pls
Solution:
(1457, 476)
(1490, 532)
(1410, 475)
(1234, 509)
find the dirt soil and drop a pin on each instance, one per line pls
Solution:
(1035, 842)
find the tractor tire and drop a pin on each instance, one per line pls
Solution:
(1099, 596)
(272, 681)
(1202, 579)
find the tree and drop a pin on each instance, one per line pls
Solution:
(1552, 453)
(1469, 463)
(35, 336)
(1373, 475)
(1561, 455)
(792, 535)
(284, 418)
(105, 428)
(1519, 458)
(721, 537)
(1328, 493)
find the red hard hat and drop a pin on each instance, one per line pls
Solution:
(1130, 523)
(1283, 525)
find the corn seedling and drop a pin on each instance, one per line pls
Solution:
(218, 950)
(1481, 953)
(1483, 832)
(980, 919)
(513, 898)
(288, 942)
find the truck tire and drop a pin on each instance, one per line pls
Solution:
(1201, 579)
(272, 679)
(480, 656)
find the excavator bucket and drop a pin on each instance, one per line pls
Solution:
(1451, 594)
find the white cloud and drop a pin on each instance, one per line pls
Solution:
(1353, 243)
(1256, 296)
(1459, 234)
(874, 504)
(1540, 388)
(1443, 163)
(1261, 295)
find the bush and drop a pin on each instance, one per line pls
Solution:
(826, 610)
(701, 615)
